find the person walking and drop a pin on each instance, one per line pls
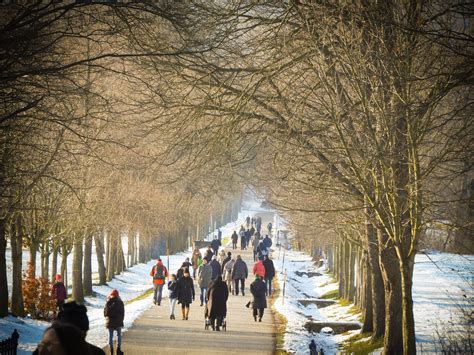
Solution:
(114, 313)
(226, 260)
(227, 272)
(269, 273)
(255, 243)
(59, 292)
(269, 227)
(184, 266)
(185, 293)
(267, 243)
(215, 267)
(221, 257)
(259, 300)
(235, 238)
(204, 279)
(172, 285)
(215, 244)
(259, 269)
(239, 274)
(196, 260)
(217, 304)
(247, 220)
(209, 253)
(219, 234)
(159, 274)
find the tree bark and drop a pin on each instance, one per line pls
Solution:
(99, 250)
(3, 270)
(77, 285)
(389, 264)
(366, 299)
(33, 252)
(54, 263)
(352, 271)
(64, 252)
(16, 242)
(87, 274)
(45, 260)
(111, 256)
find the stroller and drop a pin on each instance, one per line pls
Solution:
(211, 324)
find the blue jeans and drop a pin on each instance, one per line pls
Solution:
(157, 292)
(119, 337)
(203, 295)
(172, 305)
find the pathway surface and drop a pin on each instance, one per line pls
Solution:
(154, 333)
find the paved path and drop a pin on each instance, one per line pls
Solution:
(155, 333)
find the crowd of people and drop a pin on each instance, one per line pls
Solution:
(217, 273)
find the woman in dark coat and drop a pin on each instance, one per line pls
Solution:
(217, 296)
(114, 312)
(259, 302)
(185, 293)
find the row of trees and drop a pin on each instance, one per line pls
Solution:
(354, 118)
(81, 166)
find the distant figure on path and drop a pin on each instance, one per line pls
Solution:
(247, 220)
(59, 292)
(255, 243)
(217, 305)
(159, 274)
(259, 302)
(312, 348)
(209, 253)
(248, 235)
(172, 294)
(261, 250)
(114, 313)
(219, 234)
(267, 243)
(196, 260)
(184, 266)
(215, 244)
(269, 273)
(243, 240)
(269, 227)
(226, 260)
(239, 274)
(185, 293)
(259, 269)
(216, 268)
(235, 238)
(221, 257)
(204, 279)
(228, 274)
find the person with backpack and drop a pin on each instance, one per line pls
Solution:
(235, 238)
(217, 304)
(259, 269)
(269, 273)
(114, 313)
(228, 274)
(204, 279)
(185, 293)
(259, 300)
(239, 274)
(159, 274)
(59, 292)
(172, 295)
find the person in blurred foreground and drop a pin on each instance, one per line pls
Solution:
(114, 313)
(63, 339)
(217, 303)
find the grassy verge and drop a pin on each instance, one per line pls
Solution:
(334, 294)
(143, 296)
(280, 320)
(361, 344)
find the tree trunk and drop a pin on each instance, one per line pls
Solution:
(87, 274)
(33, 252)
(367, 302)
(112, 256)
(107, 251)
(3, 270)
(99, 250)
(64, 256)
(352, 271)
(45, 260)
(119, 260)
(406, 271)
(393, 338)
(54, 263)
(77, 285)
(16, 242)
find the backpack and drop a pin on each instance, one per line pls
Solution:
(159, 273)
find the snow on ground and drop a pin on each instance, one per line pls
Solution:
(442, 283)
(131, 284)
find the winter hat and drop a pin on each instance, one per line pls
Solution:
(75, 314)
(229, 253)
(58, 277)
(114, 293)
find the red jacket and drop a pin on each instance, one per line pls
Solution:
(59, 291)
(259, 269)
(152, 273)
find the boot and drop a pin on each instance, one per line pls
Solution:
(255, 318)
(187, 313)
(184, 313)
(111, 350)
(119, 351)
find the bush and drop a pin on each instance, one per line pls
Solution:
(38, 301)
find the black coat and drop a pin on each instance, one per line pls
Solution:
(258, 290)
(215, 244)
(114, 312)
(216, 269)
(185, 290)
(217, 295)
(269, 268)
(172, 285)
(209, 254)
(227, 259)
